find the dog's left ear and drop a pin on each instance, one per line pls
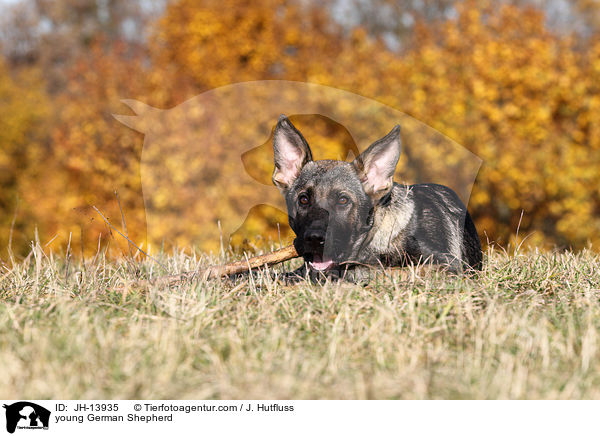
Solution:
(376, 165)
(291, 153)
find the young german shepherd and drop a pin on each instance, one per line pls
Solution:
(346, 214)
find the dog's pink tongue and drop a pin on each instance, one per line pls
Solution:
(320, 264)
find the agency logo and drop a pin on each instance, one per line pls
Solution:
(218, 146)
(26, 415)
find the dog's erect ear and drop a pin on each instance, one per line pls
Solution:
(291, 153)
(376, 165)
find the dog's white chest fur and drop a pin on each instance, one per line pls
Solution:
(388, 226)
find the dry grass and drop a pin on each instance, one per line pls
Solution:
(528, 327)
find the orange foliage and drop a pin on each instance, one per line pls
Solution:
(527, 102)
(23, 109)
(523, 98)
(219, 42)
(91, 156)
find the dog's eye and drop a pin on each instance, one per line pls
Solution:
(303, 199)
(343, 200)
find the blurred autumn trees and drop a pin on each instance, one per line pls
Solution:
(496, 77)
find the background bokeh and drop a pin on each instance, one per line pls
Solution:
(516, 83)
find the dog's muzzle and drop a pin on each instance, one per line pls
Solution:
(314, 250)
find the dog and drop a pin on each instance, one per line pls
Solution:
(348, 215)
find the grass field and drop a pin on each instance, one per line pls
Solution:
(527, 327)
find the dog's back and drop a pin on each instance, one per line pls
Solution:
(426, 222)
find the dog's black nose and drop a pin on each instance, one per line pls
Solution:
(314, 239)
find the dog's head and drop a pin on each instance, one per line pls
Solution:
(331, 203)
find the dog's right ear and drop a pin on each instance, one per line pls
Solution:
(291, 153)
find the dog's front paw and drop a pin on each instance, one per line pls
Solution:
(292, 277)
(359, 275)
(353, 274)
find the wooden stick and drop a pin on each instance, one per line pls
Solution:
(269, 259)
(216, 271)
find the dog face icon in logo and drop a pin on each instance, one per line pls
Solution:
(24, 414)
